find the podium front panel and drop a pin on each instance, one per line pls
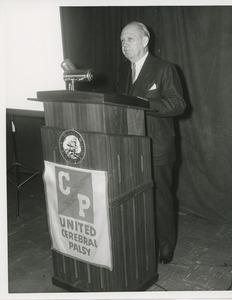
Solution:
(126, 159)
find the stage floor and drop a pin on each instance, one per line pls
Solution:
(202, 262)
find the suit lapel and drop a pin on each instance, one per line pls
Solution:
(141, 85)
(125, 78)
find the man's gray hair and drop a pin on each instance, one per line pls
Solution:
(141, 27)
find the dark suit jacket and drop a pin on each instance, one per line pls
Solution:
(165, 101)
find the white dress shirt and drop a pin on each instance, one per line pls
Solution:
(139, 65)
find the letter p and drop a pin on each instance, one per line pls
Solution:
(84, 203)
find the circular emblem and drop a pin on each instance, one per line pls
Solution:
(72, 146)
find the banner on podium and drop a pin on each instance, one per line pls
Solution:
(77, 204)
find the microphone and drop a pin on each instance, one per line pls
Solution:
(71, 74)
(79, 75)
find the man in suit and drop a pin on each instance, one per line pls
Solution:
(146, 76)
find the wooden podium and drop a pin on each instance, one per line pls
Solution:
(113, 128)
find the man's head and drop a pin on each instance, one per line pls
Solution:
(134, 41)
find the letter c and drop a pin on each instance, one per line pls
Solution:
(62, 176)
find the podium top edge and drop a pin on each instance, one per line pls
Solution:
(91, 97)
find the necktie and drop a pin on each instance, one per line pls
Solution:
(133, 72)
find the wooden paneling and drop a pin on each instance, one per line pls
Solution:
(135, 121)
(95, 117)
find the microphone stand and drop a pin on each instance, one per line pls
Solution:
(16, 169)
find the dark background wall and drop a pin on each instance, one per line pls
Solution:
(198, 40)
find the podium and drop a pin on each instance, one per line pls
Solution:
(113, 138)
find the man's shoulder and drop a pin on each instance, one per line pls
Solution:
(158, 60)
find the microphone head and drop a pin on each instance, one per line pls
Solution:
(67, 65)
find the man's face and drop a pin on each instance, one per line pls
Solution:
(133, 43)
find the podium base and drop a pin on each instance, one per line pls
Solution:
(67, 286)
